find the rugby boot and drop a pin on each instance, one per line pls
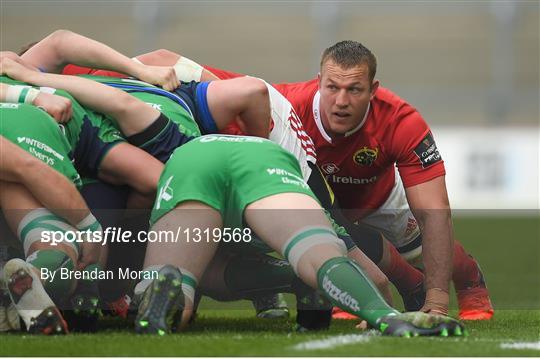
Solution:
(9, 318)
(313, 311)
(474, 302)
(162, 303)
(119, 307)
(84, 311)
(272, 306)
(414, 324)
(32, 302)
(340, 314)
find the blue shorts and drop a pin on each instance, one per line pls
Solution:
(194, 94)
(160, 139)
(91, 148)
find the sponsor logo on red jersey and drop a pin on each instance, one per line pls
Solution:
(427, 151)
(365, 156)
(350, 180)
(330, 168)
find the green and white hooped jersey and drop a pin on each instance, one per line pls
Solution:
(33, 130)
(157, 98)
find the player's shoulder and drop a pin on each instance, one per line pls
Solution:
(392, 108)
(305, 89)
(300, 95)
(387, 99)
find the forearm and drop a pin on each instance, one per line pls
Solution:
(437, 239)
(186, 69)
(61, 198)
(49, 187)
(64, 47)
(131, 114)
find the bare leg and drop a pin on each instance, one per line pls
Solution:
(127, 164)
(263, 215)
(27, 217)
(305, 237)
(186, 254)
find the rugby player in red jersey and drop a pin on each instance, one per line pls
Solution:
(375, 130)
(362, 132)
(380, 158)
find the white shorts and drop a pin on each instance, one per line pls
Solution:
(396, 222)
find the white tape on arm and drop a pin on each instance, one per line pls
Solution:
(187, 70)
(21, 94)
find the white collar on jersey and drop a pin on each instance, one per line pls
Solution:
(318, 121)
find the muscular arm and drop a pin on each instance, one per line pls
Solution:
(64, 47)
(429, 204)
(132, 115)
(62, 198)
(183, 66)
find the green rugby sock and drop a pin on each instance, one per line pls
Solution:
(347, 287)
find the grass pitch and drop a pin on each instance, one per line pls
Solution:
(218, 334)
(507, 248)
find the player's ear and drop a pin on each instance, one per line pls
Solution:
(374, 87)
(319, 78)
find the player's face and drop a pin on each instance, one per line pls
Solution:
(345, 95)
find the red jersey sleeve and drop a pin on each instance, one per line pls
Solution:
(76, 70)
(417, 156)
(300, 95)
(80, 70)
(222, 74)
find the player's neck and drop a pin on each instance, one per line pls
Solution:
(333, 135)
(337, 135)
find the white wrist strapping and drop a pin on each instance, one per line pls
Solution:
(187, 70)
(21, 94)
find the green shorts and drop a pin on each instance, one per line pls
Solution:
(227, 173)
(37, 133)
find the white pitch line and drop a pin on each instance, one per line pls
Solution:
(522, 345)
(333, 342)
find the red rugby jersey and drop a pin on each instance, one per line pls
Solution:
(360, 166)
(80, 70)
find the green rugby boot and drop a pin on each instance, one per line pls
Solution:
(162, 303)
(414, 324)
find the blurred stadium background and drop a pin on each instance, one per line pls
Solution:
(470, 67)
